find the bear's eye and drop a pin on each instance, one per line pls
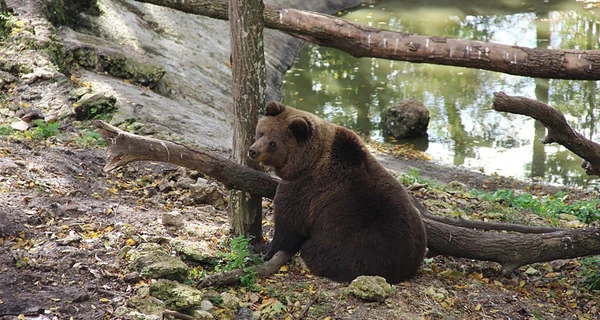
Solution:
(272, 144)
(260, 134)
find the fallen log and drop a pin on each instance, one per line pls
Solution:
(512, 247)
(364, 41)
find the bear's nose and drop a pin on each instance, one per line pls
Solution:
(253, 153)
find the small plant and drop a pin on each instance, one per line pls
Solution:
(590, 271)
(6, 24)
(411, 177)
(90, 139)
(43, 130)
(6, 130)
(240, 257)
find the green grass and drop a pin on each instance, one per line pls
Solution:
(90, 139)
(549, 206)
(590, 272)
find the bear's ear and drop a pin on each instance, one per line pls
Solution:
(274, 108)
(301, 128)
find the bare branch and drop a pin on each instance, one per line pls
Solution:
(363, 41)
(124, 148)
(559, 130)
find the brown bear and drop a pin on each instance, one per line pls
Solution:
(336, 204)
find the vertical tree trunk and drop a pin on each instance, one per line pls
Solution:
(249, 82)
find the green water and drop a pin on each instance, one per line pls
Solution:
(463, 129)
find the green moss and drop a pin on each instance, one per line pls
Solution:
(68, 12)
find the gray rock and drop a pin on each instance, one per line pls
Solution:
(147, 305)
(157, 263)
(438, 294)
(165, 186)
(409, 118)
(206, 305)
(197, 251)
(532, 271)
(131, 314)
(94, 104)
(184, 183)
(172, 218)
(79, 92)
(230, 301)
(201, 314)
(244, 313)
(203, 192)
(370, 288)
(176, 295)
(559, 265)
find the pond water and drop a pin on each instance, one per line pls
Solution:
(463, 129)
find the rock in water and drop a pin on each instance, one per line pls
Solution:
(409, 118)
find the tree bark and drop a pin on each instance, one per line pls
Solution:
(249, 84)
(524, 245)
(363, 41)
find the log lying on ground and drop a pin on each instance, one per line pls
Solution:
(524, 245)
(363, 41)
(559, 130)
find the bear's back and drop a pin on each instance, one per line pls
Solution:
(361, 220)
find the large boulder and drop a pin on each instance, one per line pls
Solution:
(409, 118)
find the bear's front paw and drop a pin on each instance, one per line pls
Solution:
(262, 248)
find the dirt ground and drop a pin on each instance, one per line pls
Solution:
(64, 221)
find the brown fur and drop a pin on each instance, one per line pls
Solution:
(336, 204)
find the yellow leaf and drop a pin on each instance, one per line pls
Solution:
(228, 64)
(64, 227)
(498, 283)
(569, 292)
(130, 242)
(311, 289)
(283, 268)
(21, 316)
(478, 307)
(104, 300)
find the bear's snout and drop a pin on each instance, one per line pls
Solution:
(253, 153)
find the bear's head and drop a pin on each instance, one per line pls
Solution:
(283, 140)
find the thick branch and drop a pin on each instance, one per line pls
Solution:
(559, 130)
(363, 41)
(444, 236)
(124, 148)
(512, 250)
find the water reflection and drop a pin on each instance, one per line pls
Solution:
(463, 128)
